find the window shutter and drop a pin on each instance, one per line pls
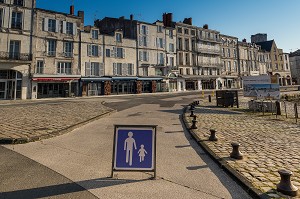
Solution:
(157, 58)
(99, 51)
(141, 56)
(74, 29)
(112, 52)
(46, 21)
(89, 50)
(114, 69)
(57, 26)
(123, 53)
(147, 56)
(101, 69)
(87, 68)
(147, 41)
(164, 43)
(132, 69)
(64, 30)
(141, 29)
(140, 40)
(124, 69)
(115, 52)
(147, 30)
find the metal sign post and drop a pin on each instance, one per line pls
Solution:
(134, 148)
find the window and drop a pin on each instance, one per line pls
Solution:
(130, 69)
(51, 47)
(187, 71)
(194, 71)
(229, 66)
(181, 71)
(224, 65)
(234, 66)
(68, 49)
(117, 68)
(171, 47)
(93, 50)
(287, 66)
(143, 41)
(2, 1)
(18, 2)
(14, 49)
(228, 52)
(120, 53)
(171, 34)
(145, 71)
(160, 58)
(179, 30)
(64, 68)
(234, 53)
(223, 52)
(210, 71)
(275, 57)
(285, 56)
(193, 32)
(144, 30)
(51, 25)
(180, 43)
(69, 28)
(1, 17)
(160, 42)
(186, 31)
(107, 52)
(95, 34)
(276, 66)
(171, 61)
(187, 44)
(16, 21)
(118, 37)
(39, 67)
(159, 29)
(92, 69)
(187, 58)
(144, 56)
(180, 58)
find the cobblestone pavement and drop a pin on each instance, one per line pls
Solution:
(29, 122)
(268, 144)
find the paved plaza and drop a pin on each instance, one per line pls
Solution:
(268, 144)
(29, 121)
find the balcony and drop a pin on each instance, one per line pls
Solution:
(209, 51)
(210, 39)
(15, 56)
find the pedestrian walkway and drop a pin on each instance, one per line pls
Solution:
(268, 144)
(33, 121)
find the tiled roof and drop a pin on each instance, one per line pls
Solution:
(266, 45)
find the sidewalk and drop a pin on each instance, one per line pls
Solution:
(268, 144)
(28, 122)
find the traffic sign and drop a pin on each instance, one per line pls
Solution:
(134, 148)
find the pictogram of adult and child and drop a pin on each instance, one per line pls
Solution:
(130, 146)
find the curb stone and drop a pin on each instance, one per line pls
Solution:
(246, 185)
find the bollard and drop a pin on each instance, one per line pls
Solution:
(192, 107)
(194, 121)
(236, 154)
(192, 113)
(285, 109)
(213, 136)
(278, 110)
(209, 98)
(285, 185)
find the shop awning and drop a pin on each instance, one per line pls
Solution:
(56, 79)
(124, 78)
(95, 79)
(150, 78)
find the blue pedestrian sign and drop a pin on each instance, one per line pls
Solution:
(134, 148)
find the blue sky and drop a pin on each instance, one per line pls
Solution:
(240, 18)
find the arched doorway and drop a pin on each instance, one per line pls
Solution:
(10, 84)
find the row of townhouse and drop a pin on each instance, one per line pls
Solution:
(47, 54)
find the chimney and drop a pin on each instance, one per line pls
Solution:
(245, 40)
(131, 17)
(188, 21)
(81, 15)
(72, 10)
(205, 26)
(165, 19)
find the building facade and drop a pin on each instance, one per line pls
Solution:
(56, 60)
(294, 58)
(16, 38)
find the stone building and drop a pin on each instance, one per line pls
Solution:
(230, 70)
(277, 58)
(151, 68)
(16, 37)
(294, 58)
(56, 67)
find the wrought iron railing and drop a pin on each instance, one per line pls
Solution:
(15, 56)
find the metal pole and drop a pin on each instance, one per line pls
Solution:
(285, 109)
(15, 92)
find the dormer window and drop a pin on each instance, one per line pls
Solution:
(118, 37)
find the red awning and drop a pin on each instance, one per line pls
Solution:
(56, 79)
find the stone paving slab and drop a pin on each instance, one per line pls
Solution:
(30, 122)
(268, 144)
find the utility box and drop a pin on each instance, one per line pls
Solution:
(226, 98)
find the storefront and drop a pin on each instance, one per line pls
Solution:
(92, 86)
(150, 84)
(53, 87)
(123, 85)
(10, 85)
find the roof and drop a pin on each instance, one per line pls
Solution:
(294, 54)
(266, 45)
